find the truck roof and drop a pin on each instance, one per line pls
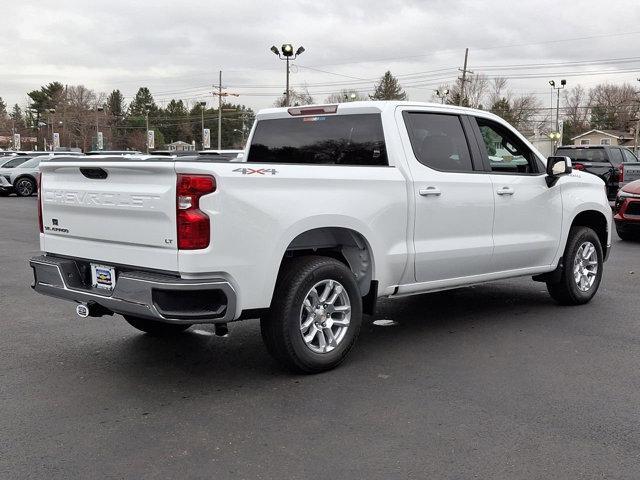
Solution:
(367, 106)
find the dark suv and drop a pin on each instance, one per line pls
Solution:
(603, 161)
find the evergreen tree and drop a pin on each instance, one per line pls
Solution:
(388, 88)
(142, 103)
(115, 104)
(3, 109)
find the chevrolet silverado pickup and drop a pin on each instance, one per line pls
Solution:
(331, 208)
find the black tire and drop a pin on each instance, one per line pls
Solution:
(25, 187)
(155, 328)
(281, 327)
(566, 290)
(625, 235)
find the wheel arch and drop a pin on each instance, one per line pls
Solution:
(597, 221)
(25, 175)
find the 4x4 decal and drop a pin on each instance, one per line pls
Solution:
(259, 171)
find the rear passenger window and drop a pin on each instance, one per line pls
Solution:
(628, 156)
(438, 141)
(325, 140)
(506, 153)
(616, 156)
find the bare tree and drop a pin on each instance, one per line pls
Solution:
(613, 106)
(80, 113)
(475, 90)
(345, 95)
(296, 97)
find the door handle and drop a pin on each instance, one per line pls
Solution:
(505, 191)
(430, 191)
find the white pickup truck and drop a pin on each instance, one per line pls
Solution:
(333, 207)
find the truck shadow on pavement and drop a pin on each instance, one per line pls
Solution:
(423, 320)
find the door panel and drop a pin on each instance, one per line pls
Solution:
(527, 222)
(454, 204)
(528, 214)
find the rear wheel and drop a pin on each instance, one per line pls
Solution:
(155, 328)
(25, 187)
(315, 315)
(582, 268)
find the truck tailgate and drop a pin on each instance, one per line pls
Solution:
(631, 172)
(120, 212)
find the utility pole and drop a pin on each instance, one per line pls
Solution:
(636, 135)
(220, 110)
(464, 79)
(221, 94)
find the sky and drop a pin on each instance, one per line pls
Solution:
(177, 48)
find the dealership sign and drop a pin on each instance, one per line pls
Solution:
(206, 138)
(151, 137)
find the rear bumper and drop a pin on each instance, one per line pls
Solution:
(156, 296)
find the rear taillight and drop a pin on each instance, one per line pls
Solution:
(193, 225)
(621, 173)
(39, 186)
(578, 166)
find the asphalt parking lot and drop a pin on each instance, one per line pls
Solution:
(493, 381)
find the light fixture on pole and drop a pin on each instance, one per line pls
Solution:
(563, 83)
(286, 53)
(442, 94)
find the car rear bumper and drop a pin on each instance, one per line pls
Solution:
(156, 296)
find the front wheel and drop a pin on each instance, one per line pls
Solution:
(25, 187)
(155, 328)
(315, 315)
(582, 268)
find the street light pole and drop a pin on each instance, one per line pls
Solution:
(563, 83)
(286, 53)
(202, 106)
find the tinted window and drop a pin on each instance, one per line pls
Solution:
(584, 154)
(438, 141)
(34, 162)
(506, 153)
(615, 156)
(326, 140)
(628, 156)
(15, 162)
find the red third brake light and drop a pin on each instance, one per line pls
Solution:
(193, 225)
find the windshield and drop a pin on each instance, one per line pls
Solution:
(584, 154)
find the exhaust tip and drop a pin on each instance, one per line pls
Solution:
(221, 330)
(82, 310)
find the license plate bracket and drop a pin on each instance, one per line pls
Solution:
(103, 276)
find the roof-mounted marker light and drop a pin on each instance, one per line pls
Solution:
(316, 110)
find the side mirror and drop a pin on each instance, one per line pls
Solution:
(557, 167)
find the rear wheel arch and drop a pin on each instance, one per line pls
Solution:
(343, 244)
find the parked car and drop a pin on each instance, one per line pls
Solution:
(627, 211)
(22, 179)
(603, 161)
(334, 207)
